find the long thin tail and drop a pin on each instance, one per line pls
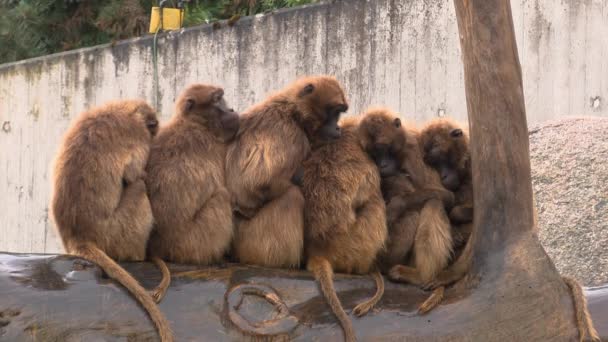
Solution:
(323, 272)
(583, 318)
(433, 300)
(369, 304)
(115, 271)
(159, 292)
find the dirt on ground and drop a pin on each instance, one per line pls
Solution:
(569, 161)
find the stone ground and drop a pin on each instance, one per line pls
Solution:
(570, 178)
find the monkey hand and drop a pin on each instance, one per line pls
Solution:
(246, 213)
(447, 197)
(396, 274)
(133, 171)
(461, 214)
(394, 209)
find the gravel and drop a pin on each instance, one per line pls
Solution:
(569, 161)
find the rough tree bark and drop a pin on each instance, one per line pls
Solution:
(516, 294)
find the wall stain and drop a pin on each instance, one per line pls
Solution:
(34, 112)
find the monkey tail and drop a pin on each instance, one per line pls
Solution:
(433, 246)
(364, 307)
(282, 324)
(159, 292)
(583, 318)
(323, 272)
(115, 271)
(434, 299)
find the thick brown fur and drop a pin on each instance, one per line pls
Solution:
(99, 203)
(420, 191)
(584, 322)
(410, 191)
(268, 151)
(344, 217)
(186, 181)
(445, 146)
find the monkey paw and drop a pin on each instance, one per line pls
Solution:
(395, 273)
(431, 285)
(362, 309)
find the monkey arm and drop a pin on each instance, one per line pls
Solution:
(462, 214)
(134, 170)
(416, 199)
(263, 195)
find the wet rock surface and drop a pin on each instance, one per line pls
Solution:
(569, 161)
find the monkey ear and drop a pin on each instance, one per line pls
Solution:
(455, 133)
(217, 95)
(188, 105)
(397, 122)
(306, 90)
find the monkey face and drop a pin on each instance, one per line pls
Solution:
(330, 129)
(384, 139)
(385, 160)
(229, 119)
(206, 104)
(443, 150)
(147, 116)
(438, 157)
(324, 99)
(152, 124)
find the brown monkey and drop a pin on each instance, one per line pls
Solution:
(99, 203)
(445, 147)
(186, 181)
(417, 221)
(394, 147)
(345, 221)
(263, 164)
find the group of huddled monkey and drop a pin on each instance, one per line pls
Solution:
(285, 184)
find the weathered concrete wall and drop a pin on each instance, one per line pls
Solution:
(403, 54)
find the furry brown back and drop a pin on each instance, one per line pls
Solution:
(99, 202)
(88, 179)
(186, 181)
(268, 151)
(345, 222)
(345, 215)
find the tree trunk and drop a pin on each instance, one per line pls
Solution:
(50, 298)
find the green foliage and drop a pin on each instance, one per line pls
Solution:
(31, 28)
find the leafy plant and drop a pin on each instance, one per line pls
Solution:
(31, 28)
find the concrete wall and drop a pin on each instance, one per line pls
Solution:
(404, 54)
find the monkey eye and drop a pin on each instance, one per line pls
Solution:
(397, 122)
(455, 133)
